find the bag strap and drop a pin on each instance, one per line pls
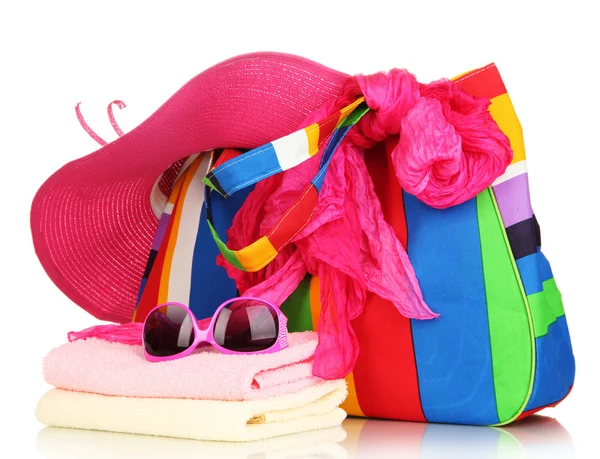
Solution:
(273, 158)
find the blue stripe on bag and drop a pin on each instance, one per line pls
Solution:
(544, 266)
(529, 269)
(211, 285)
(453, 355)
(336, 138)
(247, 169)
(555, 366)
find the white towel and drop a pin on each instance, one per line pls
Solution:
(314, 407)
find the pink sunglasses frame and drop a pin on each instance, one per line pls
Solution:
(207, 335)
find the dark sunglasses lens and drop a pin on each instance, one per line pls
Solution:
(168, 331)
(246, 326)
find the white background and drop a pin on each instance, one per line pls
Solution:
(55, 54)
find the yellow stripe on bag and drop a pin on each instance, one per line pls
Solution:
(315, 301)
(350, 405)
(257, 255)
(505, 116)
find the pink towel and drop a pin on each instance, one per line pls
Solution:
(102, 367)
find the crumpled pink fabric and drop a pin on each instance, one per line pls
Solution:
(348, 243)
(127, 333)
(130, 333)
(450, 148)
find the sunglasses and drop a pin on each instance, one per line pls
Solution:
(241, 325)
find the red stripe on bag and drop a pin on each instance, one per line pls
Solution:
(287, 226)
(326, 129)
(385, 373)
(484, 82)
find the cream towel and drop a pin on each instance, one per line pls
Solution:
(55, 443)
(314, 407)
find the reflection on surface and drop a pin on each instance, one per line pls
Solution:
(537, 436)
(54, 442)
(534, 437)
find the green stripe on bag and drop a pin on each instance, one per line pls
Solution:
(510, 338)
(297, 308)
(546, 306)
(228, 254)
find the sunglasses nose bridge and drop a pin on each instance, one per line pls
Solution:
(201, 336)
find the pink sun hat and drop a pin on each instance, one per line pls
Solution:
(93, 221)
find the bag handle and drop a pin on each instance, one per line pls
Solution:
(273, 158)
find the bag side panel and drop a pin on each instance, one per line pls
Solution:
(554, 362)
(510, 324)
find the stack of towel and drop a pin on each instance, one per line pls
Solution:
(206, 396)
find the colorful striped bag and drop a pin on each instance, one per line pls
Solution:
(500, 349)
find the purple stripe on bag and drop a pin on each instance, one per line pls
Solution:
(513, 200)
(160, 231)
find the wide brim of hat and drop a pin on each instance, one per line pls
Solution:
(92, 222)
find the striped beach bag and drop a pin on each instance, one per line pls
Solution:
(500, 349)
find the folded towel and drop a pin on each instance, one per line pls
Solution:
(311, 408)
(54, 443)
(97, 366)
